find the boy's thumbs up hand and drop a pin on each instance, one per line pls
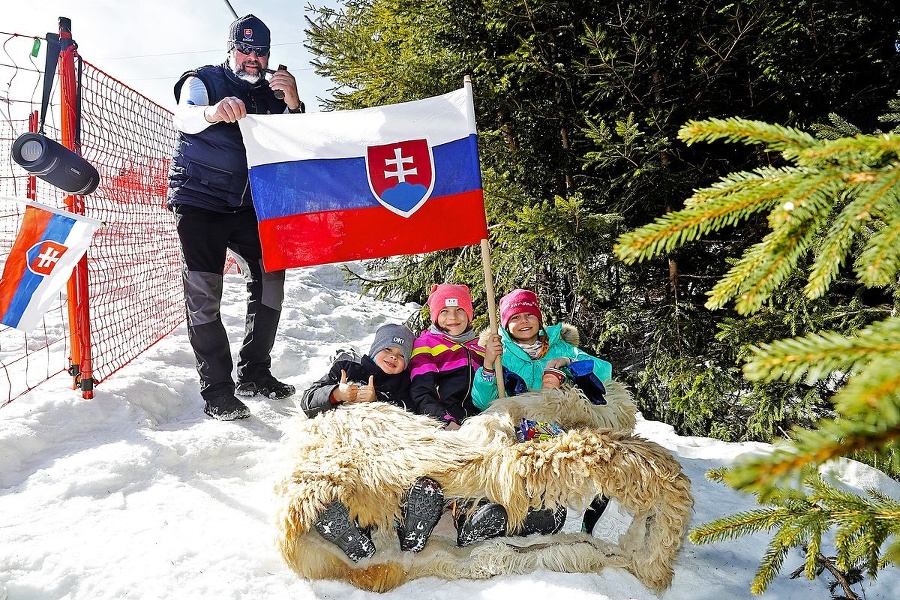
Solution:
(345, 392)
(367, 392)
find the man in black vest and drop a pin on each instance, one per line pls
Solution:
(209, 193)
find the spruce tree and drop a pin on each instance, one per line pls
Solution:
(578, 107)
(833, 211)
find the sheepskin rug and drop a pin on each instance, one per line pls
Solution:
(368, 455)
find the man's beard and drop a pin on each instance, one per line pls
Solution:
(241, 73)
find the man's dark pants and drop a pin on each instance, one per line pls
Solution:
(205, 235)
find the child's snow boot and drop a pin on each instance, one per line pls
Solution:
(486, 522)
(335, 525)
(545, 521)
(421, 512)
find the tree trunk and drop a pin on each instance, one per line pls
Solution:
(568, 179)
(509, 132)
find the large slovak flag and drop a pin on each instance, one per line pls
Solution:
(49, 245)
(347, 185)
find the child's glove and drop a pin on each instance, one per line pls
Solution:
(514, 384)
(582, 372)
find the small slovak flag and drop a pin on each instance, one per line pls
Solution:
(49, 245)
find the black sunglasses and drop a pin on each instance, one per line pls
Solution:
(248, 49)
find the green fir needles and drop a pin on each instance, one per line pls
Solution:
(825, 202)
(833, 205)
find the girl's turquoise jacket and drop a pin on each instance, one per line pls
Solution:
(532, 371)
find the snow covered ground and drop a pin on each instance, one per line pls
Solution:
(137, 494)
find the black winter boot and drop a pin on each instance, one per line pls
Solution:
(487, 522)
(421, 512)
(335, 525)
(545, 521)
(226, 408)
(267, 386)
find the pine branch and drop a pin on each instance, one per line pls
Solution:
(833, 439)
(861, 151)
(892, 554)
(877, 198)
(802, 526)
(817, 355)
(839, 128)
(720, 210)
(879, 262)
(764, 267)
(873, 395)
(819, 526)
(736, 130)
(733, 282)
(770, 565)
(796, 197)
(802, 517)
(741, 182)
(839, 195)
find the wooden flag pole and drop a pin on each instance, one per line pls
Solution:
(486, 259)
(492, 311)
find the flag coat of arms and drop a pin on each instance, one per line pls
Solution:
(347, 185)
(49, 245)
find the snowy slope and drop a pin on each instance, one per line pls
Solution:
(137, 494)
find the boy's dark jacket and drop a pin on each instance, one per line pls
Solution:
(388, 388)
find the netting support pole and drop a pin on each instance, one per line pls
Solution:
(31, 190)
(81, 367)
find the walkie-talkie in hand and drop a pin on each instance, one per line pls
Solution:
(280, 93)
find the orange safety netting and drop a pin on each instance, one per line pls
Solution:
(134, 267)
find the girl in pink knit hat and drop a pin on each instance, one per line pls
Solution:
(442, 369)
(530, 349)
(445, 357)
(534, 356)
